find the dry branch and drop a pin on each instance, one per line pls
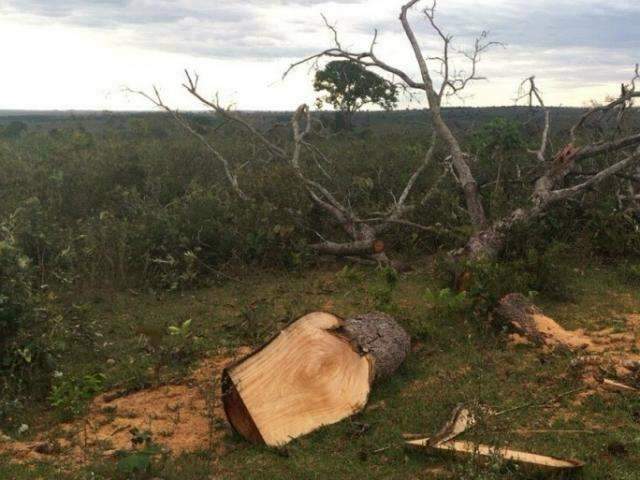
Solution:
(183, 122)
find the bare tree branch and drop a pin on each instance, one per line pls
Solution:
(608, 172)
(463, 171)
(529, 89)
(191, 85)
(184, 123)
(620, 104)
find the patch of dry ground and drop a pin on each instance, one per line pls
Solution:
(183, 417)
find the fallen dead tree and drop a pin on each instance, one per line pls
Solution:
(317, 371)
(362, 231)
(559, 176)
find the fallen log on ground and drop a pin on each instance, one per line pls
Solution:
(317, 371)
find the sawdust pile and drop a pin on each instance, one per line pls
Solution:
(604, 353)
(182, 417)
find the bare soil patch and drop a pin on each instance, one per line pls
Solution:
(181, 417)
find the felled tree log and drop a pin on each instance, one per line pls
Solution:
(317, 371)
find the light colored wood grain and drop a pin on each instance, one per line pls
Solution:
(475, 449)
(307, 377)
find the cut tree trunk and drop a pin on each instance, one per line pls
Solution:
(517, 313)
(317, 371)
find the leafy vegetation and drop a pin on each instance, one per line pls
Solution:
(124, 259)
(455, 360)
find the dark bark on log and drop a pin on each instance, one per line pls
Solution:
(379, 335)
(516, 312)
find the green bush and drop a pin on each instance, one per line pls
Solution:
(25, 358)
(16, 302)
(486, 282)
(382, 288)
(69, 396)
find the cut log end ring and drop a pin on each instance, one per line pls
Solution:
(315, 372)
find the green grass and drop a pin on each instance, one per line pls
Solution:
(455, 360)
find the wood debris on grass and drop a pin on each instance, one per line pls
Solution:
(487, 452)
(461, 420)
(180, 418)
(605, 352)
(617, 386)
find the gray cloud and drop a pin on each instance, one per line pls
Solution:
(544, 23)
(241, 29)
(229, 29)
(113, 12)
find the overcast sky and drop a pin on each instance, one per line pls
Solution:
(80, 54)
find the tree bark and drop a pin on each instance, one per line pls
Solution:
(516, 312)
(379, 335)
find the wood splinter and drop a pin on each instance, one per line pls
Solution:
(317, 371)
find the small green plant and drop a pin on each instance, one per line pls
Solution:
(182, 331)
(69, 396)
(445, 303)
(630, 273)
(138, 462)
(349, 275)
(382, 290)
(181, 345)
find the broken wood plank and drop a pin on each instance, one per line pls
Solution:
(484, 452)
(461, 420)
(614, 386)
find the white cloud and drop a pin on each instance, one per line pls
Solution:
(80, 53)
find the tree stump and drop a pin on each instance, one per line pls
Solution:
(317, 371)
(517, 313)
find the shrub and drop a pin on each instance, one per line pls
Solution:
(381, 290)
(25, 358)
(485, 283)
(70, 395)
(16, 303)
(446, 304)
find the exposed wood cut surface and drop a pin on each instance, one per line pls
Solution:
(308, 376)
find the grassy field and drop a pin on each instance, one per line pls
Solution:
(455, 359)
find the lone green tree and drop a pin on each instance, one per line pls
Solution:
(349, 86)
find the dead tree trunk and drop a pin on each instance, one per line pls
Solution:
(488, 238)
(317, 371)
